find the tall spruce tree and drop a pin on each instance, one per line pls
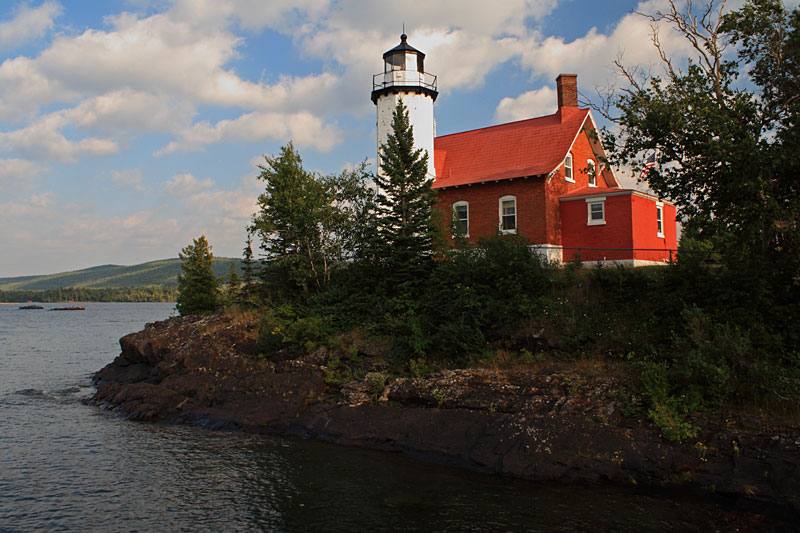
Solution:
(197, 285)
(247, 266)
(234, 282)
(406, 226)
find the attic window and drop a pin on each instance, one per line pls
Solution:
(596, 211)
(508, 214)
(461, 219)
(568, 169)
(592, 171)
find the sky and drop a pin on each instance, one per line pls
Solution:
(130, 127)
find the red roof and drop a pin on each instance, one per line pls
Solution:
(591, 191)
(601, 191)
(525, 148)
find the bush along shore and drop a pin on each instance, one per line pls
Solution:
(678, 376)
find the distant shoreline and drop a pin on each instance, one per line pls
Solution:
(27, 302)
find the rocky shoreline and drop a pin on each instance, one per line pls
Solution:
(540, 425)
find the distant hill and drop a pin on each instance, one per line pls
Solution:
(155, 273)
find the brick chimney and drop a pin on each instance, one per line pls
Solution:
(567, 89)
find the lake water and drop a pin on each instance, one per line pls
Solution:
(68, 466)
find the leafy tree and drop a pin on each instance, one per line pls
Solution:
(286, 221)
(406, 225)
(726, 146)
(308, 223)
(197, 285)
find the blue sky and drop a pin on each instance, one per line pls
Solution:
(127, 128)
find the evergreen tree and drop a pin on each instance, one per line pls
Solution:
(406, 226)
(233, 283)
(197, 285)
(247, 265)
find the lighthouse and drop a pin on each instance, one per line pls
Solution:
(404, 77)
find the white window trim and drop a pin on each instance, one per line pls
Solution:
(466, 204)
(500, 213)
(571, 169)
(589, 202)
(591, 167)
(660, 209)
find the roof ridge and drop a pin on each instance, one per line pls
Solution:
(495, 126)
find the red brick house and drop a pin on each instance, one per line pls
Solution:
(542, 178)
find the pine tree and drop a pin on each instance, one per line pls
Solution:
(406, 226)
(247, 266)
(233, 282)
(197, 285)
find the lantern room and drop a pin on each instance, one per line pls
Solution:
(403, 67)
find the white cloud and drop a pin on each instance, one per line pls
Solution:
(43, 140)
(275, 14)
(129, 178)
(24, 88)
(177, 53)
(36, 205)
(303, 128)
(183, 185)
(132, 110)
(527, 105)
(18, 173)
(592, 55)
(463, 39)
(28, 23)
(77, 235)
(46, 199)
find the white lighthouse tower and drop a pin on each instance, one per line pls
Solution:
(404, 77)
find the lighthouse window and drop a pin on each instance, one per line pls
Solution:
(461, 219)
(592, 173)
(396, 62)
(568, 168)
(508, 214)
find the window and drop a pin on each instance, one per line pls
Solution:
(660, 218)
(395, 62)
(568, 168)
(508, 214)
(596, 211)
(590, 169)
(461, 219)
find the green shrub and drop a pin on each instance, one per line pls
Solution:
(668, 412)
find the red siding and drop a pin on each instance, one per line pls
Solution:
(630, 223)
(538, 215)
(559, 186)
(484, 207)
(646, 230)
(616, 233)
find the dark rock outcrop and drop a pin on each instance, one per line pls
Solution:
(537, 425)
